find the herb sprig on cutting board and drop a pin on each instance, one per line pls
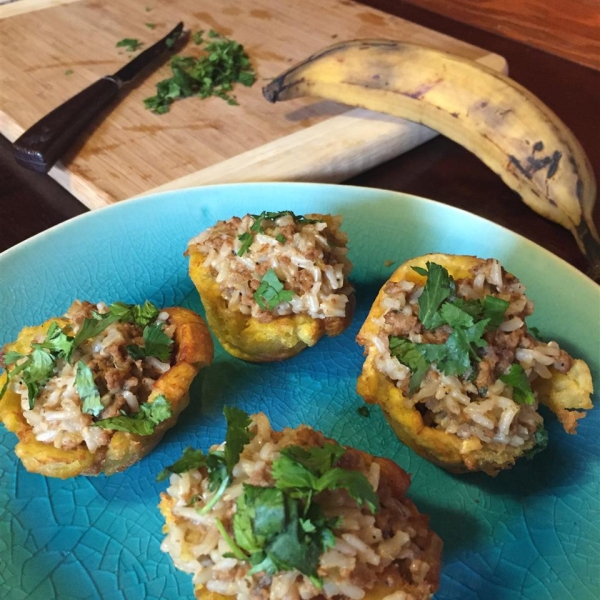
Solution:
(222, 64)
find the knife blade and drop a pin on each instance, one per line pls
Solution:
(46, 141)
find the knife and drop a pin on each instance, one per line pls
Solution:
(46, 141)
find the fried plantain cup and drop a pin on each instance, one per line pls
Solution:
(416, 574)
(269, 336)
(565, 391)
(193, 350)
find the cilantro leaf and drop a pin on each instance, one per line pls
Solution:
(237, 436)
(517, 379)
(455, 316)
(318, 460)
(87, 390)
(57, 341)
(143, 422)
(354, 482)
(90, 328)
(494, 309)
(156, 343)
(191, 459)
(12, 357)
(130, 44)
(541, 441)
(290, 474)
(438, 287)
(409, 354)
(246, 239)
(223, 63)
(270, 292)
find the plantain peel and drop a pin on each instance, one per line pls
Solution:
(193, 350)
(445, 418)
(486, 112)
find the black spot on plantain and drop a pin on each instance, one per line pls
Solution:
(538, 146)
(537, 164)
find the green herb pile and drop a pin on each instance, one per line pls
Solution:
(223, 64)
(38, 367)
(258, 227)
(469, 320)
(278, 528)
(130, 44)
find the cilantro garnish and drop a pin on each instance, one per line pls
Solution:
(281, 528)
(270, 292)
(468, 320)
(87, 390)
(218, 463)
(257, 227)
(130, 44)
(409, 354)
(34, 371)
(156, 343)
(143, 422)
(517, 379)
(69, 72)
(197, 38)
(151, 25)
(39, 366)
(541, 441)
(223, 64)
(438, 287)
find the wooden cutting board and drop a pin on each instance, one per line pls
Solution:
(60, 46)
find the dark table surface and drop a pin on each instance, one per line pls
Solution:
(439, 169)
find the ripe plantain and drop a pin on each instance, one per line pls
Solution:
(491, 115)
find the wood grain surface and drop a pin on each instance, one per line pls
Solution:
(133, 150)
(567, 28)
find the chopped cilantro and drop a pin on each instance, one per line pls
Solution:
(156, 343)
(143, 422)
(517, 379)
(438, 287)
(57, 341)
(218, 463)
(197, 38)
(151, 25)
(130, 44)
(494, 309)
(270, 292)
(541, 441)
(69, 72)
(91, 327)
(281, 528)
(257, 227)
(87, 390)
(223, 63)
(191, 459)
(246, 239)
(409, 354)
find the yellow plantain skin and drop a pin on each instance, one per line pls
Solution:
(487, 113)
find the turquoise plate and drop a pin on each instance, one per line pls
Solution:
(530, 533)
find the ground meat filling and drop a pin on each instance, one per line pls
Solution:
(123, 383)
(477, 403)
(308, 257)
(387, 547)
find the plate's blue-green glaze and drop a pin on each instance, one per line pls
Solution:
(530, 533)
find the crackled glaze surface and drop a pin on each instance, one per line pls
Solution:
(531, 533)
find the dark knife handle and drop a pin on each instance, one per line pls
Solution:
(46, 141)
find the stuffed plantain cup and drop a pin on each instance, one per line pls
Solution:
(273, 284)
(94, 391)
(292, 514)
(456, 370)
